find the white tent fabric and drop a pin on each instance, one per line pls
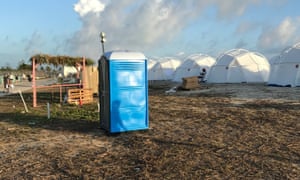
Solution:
(274, 60)
(150, 63)
(286, 70)
(68, 70)
(239, 66)
(193, 65)
(164, 69)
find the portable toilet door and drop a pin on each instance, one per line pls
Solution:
(123, 91)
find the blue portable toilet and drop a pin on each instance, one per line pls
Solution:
(123, 91)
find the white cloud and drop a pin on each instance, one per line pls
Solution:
(137, 25)
(233, 7)
(84, 7)
(284, 34)
(141, 24)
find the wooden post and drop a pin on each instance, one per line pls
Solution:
(25, 106)
(83, 73)
(60, 94)
(33, 83)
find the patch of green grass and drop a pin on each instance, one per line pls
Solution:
(58, 112)
(73, 112)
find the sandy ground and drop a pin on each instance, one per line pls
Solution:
(220, 131)
(246, 92)
(24, 86)
(238, 91)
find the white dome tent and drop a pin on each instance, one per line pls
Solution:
(193, 65)
(150, 63)
(286, 70)
(274, 60)
(164, 69)
(240, 66)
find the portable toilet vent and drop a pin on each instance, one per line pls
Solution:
(123, 91)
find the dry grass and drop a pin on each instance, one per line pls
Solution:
(190, 137)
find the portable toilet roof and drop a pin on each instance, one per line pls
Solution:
(193, 65)
(285, 71)
(239, 66)
(121, 55)
(164, 69)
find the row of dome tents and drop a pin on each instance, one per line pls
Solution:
(283, 70)
(174, 69)
(234, 66)
(193, 66)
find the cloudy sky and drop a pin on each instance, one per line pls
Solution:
(157, 28)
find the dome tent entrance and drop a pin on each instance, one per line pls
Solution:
(239, 66)
(193, 65)
(164, 69)
(286, 70)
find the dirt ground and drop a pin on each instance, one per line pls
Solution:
(216, 132)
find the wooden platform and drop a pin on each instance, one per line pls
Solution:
(80, 96)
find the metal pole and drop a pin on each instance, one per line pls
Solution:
(102, 35)
(33, 83)
(48, 110)
(102, 47)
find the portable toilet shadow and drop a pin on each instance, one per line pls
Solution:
(123, 91)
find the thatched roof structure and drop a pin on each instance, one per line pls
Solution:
(60, 60)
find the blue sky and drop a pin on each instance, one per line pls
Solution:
(158, 27)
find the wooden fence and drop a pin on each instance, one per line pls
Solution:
(80, 96)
